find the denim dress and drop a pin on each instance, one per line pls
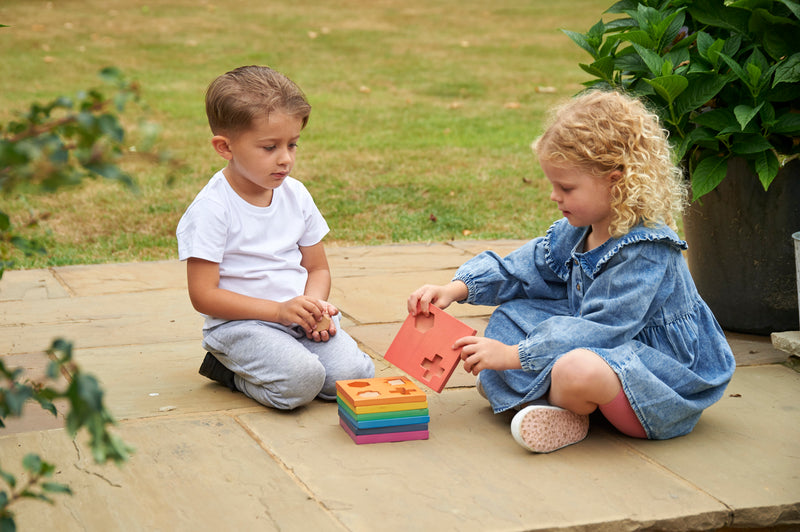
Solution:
(632, 301)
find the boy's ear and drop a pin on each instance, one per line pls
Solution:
(222, 146)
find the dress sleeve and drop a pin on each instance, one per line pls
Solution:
(524, 273)
(621, 300)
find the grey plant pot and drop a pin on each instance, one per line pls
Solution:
(741, 253)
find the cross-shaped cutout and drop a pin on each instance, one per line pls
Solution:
(433, 367)
(402, 390)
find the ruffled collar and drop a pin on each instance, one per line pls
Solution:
(564, 243)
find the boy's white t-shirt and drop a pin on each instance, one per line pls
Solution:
(257, 248)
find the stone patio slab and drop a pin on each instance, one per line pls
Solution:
(208, 458)
(99, 320)
(382, 298)
(359, 261)
(188, 474)
(26, 285)
(157, 380)
(87, 280)
(754, 433)
(470, 475)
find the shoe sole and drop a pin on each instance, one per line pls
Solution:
(213, 369)
(544, 429)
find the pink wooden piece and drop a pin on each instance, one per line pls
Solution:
(384, 438)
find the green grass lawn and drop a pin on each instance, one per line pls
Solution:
(423, 110)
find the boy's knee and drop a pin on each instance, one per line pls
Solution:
(361, 367)
(298, 387)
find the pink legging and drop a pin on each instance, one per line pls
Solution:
(621, 415)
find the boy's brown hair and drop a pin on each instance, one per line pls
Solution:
(235, 98)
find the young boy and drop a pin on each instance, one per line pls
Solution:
(255, 263)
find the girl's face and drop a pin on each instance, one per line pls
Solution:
(583, 199)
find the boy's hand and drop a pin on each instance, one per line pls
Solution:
(481, 353)
(302, 310)
(324, 329)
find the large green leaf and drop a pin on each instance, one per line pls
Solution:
(767, 168)
(745, 113)
(717, 14)
(717, 119)
(787, 124)
(581, 40)
(794, 7)
(750, 144)
(708, 174)
(653, 61)
(640, 37)
(701, 89)
(788, 70)
(668, 87)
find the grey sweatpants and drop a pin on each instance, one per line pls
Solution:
(279, 367)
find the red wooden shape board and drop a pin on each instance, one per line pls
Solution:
(423, 347)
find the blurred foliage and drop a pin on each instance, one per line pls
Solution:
(60, 143)
(86, 410)
(51, 146)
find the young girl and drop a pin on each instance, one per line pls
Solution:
(601, 312)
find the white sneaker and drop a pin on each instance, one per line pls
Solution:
(546, 428)
(479, 387)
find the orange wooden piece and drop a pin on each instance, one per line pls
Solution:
(379, 391)
(423, 347)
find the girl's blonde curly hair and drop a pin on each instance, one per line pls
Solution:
(603, 131)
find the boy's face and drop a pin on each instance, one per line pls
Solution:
(260, 158)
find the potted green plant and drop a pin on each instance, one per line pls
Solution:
(723, 77)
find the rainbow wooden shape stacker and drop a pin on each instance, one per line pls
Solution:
(382, 409)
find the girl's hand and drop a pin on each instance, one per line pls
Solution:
(439, 295)
(479, 353)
